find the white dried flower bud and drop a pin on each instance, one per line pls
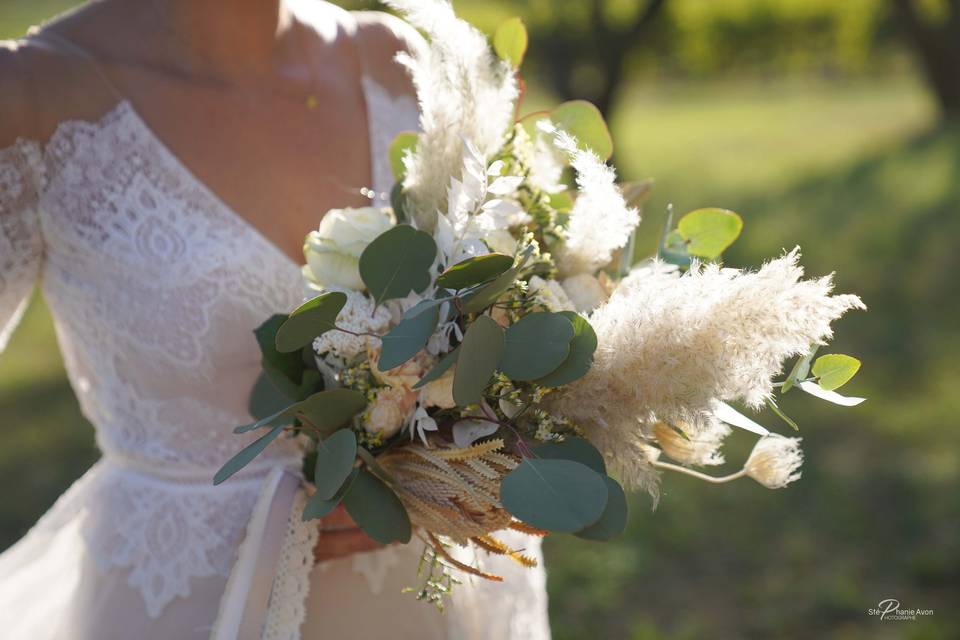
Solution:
(389, 411)
(688, 447)
(775, 461)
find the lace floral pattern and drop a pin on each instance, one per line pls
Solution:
(288, 601)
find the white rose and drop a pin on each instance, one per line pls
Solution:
(585, 291)
(333, 251)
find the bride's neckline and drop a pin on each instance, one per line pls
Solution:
(125, 108)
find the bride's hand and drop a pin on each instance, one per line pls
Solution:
(341, 537)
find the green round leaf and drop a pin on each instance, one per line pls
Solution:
(556, 495)
(398, 149)
(708, 232)
(475, 270)
(246, 455)
(285, 369)
(584, 121)
(265, 399)
(332, 409)
(536, 345)
(614, 518)
(397, 262)
(582, 348)
(377, 510)
(318, 507)
(407, 338)
(489, 293)
(335, 458)
(479, 354)
(834, 370)
(311, 319)
(576, 449)
(510, 41)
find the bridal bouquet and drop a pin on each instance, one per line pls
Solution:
(486, 354)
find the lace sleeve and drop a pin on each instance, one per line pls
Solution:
(21, 246)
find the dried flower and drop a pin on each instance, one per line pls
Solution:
(600, 222)
(702, 448)
(775, 461)
(670, 345)
(358, 315)
(550, 295)
(464, 93)
(388, 411)
(439, 392)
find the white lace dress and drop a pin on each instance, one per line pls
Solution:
(155, 286)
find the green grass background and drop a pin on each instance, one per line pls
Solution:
(854, 172)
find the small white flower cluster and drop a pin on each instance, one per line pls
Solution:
(358, 316)
(775, 461)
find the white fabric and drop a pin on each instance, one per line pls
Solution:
(155, 286)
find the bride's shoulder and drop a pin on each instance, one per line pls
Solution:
(43, 84)
(382, 37)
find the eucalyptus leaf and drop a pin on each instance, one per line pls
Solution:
(536, 345)
(438, 369)
(335, 458)
(772, 404)
(580, 359)
(475, 270)
(265, 399)
(834, 370)
(285, 369)
(708, 232)
(405, 140)
(311, 319)
(479, 354)
(397, 262)
(576, 449)
(510, 41)
(556, 495)
(246, 455)
(800, 370)
(332, 409)
(489, 293)
(374, 466)
(318, 507)
(614, 518)
(377, 510)
(584, 121)
(407, 338)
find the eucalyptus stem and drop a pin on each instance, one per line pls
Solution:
(696, 474)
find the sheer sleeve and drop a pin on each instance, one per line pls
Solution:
(21, 246)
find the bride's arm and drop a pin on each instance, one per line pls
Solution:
(21, 178)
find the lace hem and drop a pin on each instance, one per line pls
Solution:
(287, 609)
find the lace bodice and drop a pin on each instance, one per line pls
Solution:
(155, 286)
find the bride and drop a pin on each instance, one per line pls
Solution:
(160, 163)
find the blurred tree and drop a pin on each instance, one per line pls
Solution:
(933, 29)
(601, 51)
